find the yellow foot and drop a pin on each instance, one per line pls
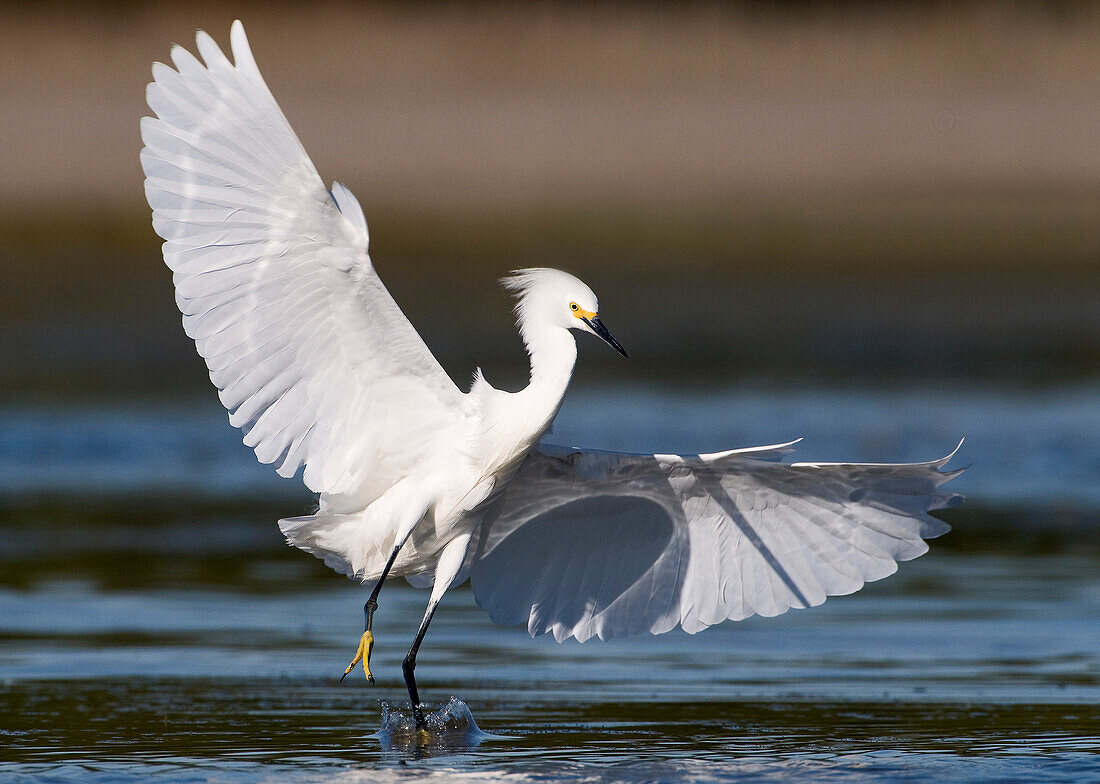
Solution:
(366, 644)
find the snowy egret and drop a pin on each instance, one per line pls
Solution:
(321, 370)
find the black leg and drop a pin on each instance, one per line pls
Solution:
(409, 664)
(372, 602)
(366, 643)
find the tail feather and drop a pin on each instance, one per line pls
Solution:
(326, 536)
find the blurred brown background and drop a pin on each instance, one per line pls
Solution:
(752, 188)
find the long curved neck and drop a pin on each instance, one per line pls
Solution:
(553, 353)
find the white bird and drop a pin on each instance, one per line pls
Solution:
(320, 369)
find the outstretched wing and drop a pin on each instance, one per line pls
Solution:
(313, 358)
(602, 544)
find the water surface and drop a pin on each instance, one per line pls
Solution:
(154, 626)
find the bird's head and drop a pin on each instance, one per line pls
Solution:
(550, 297)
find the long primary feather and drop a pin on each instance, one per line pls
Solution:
(313, 359)
(604, 544)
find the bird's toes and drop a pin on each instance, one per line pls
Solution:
(362, 654)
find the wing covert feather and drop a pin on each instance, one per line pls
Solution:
(312, 357)
(590, 543)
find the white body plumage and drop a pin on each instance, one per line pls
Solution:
(449, 492)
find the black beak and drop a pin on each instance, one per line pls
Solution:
(598, 327)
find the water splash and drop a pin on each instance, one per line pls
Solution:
(450, 729)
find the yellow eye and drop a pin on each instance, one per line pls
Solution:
(573, 306)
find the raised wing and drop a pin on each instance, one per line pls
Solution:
(603, 544)
(313, 358)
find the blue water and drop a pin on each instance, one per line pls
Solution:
(1030, 446)
(153, 625)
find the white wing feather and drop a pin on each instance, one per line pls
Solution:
(313, 359)
(613, 544)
